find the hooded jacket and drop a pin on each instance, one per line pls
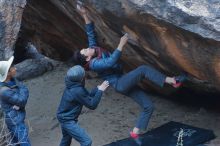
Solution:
(75, 96)
(13, 93)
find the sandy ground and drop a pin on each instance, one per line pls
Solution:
(112, 120)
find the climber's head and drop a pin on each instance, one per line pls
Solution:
(84, 55)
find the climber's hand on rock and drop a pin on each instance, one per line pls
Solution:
(81, 8)
(123, 41)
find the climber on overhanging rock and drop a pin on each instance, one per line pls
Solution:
(107, 66)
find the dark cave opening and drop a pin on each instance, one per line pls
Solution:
(20, 51)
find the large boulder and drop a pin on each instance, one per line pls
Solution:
(174, 36)
(200, 17)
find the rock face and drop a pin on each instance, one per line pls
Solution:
(34, 65)
(200, 17)
(10, 20)
(50, 29)
(172, 35)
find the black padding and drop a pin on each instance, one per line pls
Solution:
(167, 134)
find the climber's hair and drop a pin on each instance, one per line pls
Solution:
(79, 58)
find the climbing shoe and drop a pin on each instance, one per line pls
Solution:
(179, 80)
(136, 138)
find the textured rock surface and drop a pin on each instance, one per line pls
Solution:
(50, 29)
(10, 19)
(171, 35)
(198, 16)
(56, 29)
(31, 68)
(34, 65)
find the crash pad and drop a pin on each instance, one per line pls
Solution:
(167, 135)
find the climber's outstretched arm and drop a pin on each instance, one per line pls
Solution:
(90, 29)
(83, 11)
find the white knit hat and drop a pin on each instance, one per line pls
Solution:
(4, 67)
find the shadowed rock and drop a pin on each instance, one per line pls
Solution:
(31, 68)
(35, 65)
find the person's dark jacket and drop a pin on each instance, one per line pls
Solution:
(107, 66)
(11, 95)
(74, 98)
